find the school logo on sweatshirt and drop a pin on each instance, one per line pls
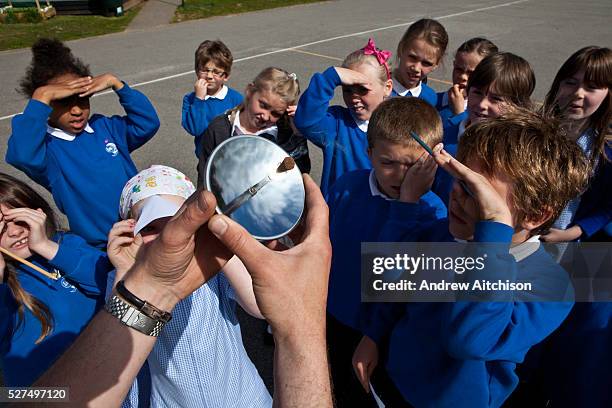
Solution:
(111, 148)
(68, 285)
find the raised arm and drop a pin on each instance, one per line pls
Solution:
(27, 148)
(140, 123)
(312, 117)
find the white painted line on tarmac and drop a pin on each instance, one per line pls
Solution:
(339, 37)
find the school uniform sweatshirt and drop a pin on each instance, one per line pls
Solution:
(198, 113)
(333, 129)
(73, 300)
(85, 175)
(595, 209)
(464, 353)
(358, 212)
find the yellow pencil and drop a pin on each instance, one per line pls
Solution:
(30, 264)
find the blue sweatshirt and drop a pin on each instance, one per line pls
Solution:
(357, 215)
(198, 113)
(333, 129)
(73, 300)
(464, 354)
(427, 94)
(595, 209)
(582, 378)
(86, 175)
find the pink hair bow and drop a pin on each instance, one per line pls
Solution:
(382, 56)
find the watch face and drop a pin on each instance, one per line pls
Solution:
(248, 176)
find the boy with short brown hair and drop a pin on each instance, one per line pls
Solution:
(211, 97)
(360, 202)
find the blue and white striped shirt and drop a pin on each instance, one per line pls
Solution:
(199, 359)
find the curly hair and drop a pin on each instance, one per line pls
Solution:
(50, 59)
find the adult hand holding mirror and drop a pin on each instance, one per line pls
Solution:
(257, 185)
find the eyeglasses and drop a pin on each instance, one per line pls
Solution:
(217, 73)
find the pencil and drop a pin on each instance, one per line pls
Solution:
(431, 153)
(28, 263)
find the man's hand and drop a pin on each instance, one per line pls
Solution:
(290, 286)
(181, 258)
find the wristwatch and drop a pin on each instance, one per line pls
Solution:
(136, 313)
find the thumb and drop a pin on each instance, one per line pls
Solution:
(194, 213)
(237, 240)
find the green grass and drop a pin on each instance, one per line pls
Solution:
(63, 28)
(194, 9)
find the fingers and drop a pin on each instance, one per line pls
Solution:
(13, 212)
(118, 242)
(194, 213)
(27, 215)
(291, 110)
(453, 166)
(238, 241)
(97, 84)
(125, 227)
(316, 226)
(79, 82)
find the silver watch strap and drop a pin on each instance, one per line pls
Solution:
(132, 317)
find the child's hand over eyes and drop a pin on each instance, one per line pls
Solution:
(48, 93)
(484, 199)
(123, 246)
(456, 100)
(38, 241)
(418, 179)
(101, 83)
(348, 77)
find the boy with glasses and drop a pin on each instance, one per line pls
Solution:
(211, 97)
